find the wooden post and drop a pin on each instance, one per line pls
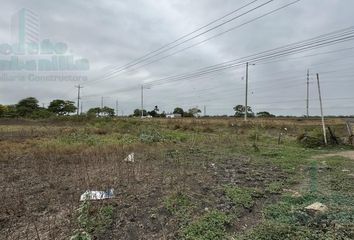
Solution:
(279, 137)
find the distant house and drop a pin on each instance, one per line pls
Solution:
(173, 115)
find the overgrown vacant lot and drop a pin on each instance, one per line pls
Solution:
(190, 179)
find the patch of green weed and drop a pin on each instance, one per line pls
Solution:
(271, 230)
(151, 136)
(177, 202)
(79, 138)
(92, 222)
(211, 226)
(180, 205)
(275, 187)
(241, 196)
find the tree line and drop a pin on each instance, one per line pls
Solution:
(178, 111)
(30, 108)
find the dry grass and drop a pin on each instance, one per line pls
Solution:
(45, 169)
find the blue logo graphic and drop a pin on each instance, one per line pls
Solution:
(31, 58)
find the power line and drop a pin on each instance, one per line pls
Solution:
(312, 55)
(134, 62)
(217, 35)
(214, 36)
(313, 43)
(252, 58)
(188, 34)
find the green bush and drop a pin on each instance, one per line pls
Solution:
(312, 139)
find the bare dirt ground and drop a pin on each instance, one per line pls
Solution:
(346, 154)
(45, 169)
(46, 193)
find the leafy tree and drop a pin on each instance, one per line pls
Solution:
(194, 111)
(187, 114)
(27, 106)
(3, 110)
(163, 114)
(178, 110)
(154, 112)
(10, 111)
(264, 114)
(94, 112)
(137, 113)
(62, 107)
(240, 111)
(107, 112)
(101, 112)
(41, 113)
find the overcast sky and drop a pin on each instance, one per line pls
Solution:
(115, 32)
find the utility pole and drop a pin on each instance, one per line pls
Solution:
(246, 94)
(204, 110)
(81, 107)
(101, 103)
(142, 101)
(78, 98)
(308, 93)
(117, 108)
(320, 98)
(142, 98)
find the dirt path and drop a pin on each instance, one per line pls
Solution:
(347, 154)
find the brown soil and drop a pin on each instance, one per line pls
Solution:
(41, 187)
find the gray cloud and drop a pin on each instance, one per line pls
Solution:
(116, 32)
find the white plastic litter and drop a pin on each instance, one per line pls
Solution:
(97, 195)
(129, 158)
